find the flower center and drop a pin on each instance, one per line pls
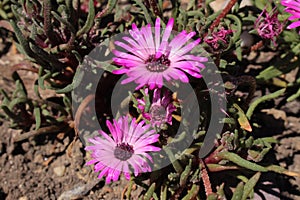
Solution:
(158, 113)
(157, 64)
(123, 151)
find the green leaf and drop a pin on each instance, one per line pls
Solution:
(192, 193)
(66, 89)
(174, 161)
(261, 4)
(145, 11)
(36, 89)
(63, 21)
(283, 66)
(90, 20)
(294, 96)
(281, 170)
(269, 73)
(249, 186)
(212, 197)
(239, 53)
(42, 79)
(262, 99)
(37, 116)
(17, 101)
(150, 192)
(257, 156)
(106, 66)
(238, 193)
(242, 119)
(241, 161)
(237, 27)
(22, 40)
(20, 87)
(290, 36)
(164, 192)
(110, 6)
(185, 174)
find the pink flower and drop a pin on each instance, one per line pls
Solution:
(149, 58)
(292, 7)
(268, 27)
(125, 152)
(218, 40)
(160, 111)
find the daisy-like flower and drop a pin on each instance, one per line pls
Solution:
(160, 111)
(126, 151)
(268, 26)
(292, 7)
(148, 58)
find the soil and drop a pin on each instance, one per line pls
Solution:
(50, 166)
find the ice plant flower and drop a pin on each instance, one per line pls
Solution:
(126, 151)
(268, 26)
(218, 40)
(292, 7)
(149, 59)
(160, 111)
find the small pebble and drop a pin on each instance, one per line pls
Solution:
(25, 146)
(38, 158)
(23, 198)
(60, 170)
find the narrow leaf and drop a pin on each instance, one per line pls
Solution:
(90, 19)
(241, 162)
(37, 116)
(262, 99)
(242, 119)
(150, 192)
(238, 193)
(249, 186)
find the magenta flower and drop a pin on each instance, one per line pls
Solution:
(292, 7)
(160, 111)
(125, 152)
(219, 40)
(150, 58)
(268, 26)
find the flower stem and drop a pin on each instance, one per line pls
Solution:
(205, 178)
(222, 15)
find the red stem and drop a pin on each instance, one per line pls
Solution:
(205, 178)
(222, 15)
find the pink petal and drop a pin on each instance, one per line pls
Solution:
(157, 33)
(127, 80)
(112, 131)
(103, 172)
(120, 71)
(178, 44)
(149, 39)
(127, 56)
(168, 30)
(91, 162)
(126, 62)
(186, 49)
(294, 25)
